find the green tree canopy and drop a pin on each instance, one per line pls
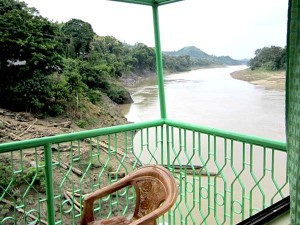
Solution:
(30, 49)
(49, 68)
(111, 52)
(79, 35)
(143, 57)
(269, 58)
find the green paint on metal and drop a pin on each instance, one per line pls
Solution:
(213, 167)
(200, 159)
(230, 135)
(293, 108)
(159, 64)
(49, 183)
(7, 147)
(149, 2)
(158, 51)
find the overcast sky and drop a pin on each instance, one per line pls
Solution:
(219, 27)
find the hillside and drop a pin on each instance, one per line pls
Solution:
(79, 74)
(70, 74)
(201, 57)
(191, 51)
(16, 126)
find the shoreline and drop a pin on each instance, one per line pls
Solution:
(133, 79)
(271, 80)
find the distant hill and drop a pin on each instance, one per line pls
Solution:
(192, 51)
(202, 57)
(227, 60)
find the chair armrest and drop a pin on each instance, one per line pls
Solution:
(88, 214)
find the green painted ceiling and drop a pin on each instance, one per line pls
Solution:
(149, 2)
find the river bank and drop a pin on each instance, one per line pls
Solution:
(272, 80)
(132, 79)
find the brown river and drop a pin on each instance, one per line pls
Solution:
(211, 97)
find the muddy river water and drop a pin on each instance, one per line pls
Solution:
(211, 97)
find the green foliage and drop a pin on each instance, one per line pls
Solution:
(59, 92)
(109, 169)
(48, 68)
(94, 76)
(95, 96)
(76, 85)
(78, 36)
(118, 93)
(40, 94)
(81, 123)
(28, 38)
(36, 177)
(191, 51)
(5, 175)
(180, 63)
(30, 50)
(32, 175)
(88, 80)
(108, 51)
(269, 58)
(143, 57)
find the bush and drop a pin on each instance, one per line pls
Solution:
(118, 94)
(5, 175)
(94, 96)
(37, 176)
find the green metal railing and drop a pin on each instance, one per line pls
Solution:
(223, 177)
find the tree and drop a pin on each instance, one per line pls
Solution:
(30, 50)
(144, 57)
(269, 58)
(78, 36)
(111, 52)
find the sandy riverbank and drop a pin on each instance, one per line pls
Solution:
(273, 80)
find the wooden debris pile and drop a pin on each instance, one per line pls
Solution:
(15, 126)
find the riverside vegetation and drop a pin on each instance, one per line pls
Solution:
(267, 68)
(66, 71)
(53, 69)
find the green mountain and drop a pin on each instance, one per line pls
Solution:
(191, 51)
(227, 60)
(200, 57)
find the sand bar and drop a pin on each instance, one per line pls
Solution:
(272, 80)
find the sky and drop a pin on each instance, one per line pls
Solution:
(218, 27)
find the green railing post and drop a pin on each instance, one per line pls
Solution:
(49, 183)
(159, 64)
(293, 108)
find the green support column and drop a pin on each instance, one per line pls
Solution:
(159, 64)
(49, 184)
(293, 108)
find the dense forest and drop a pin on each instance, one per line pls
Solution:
(269, 58)
(48, 67)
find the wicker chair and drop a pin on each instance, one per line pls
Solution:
(154, 185)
